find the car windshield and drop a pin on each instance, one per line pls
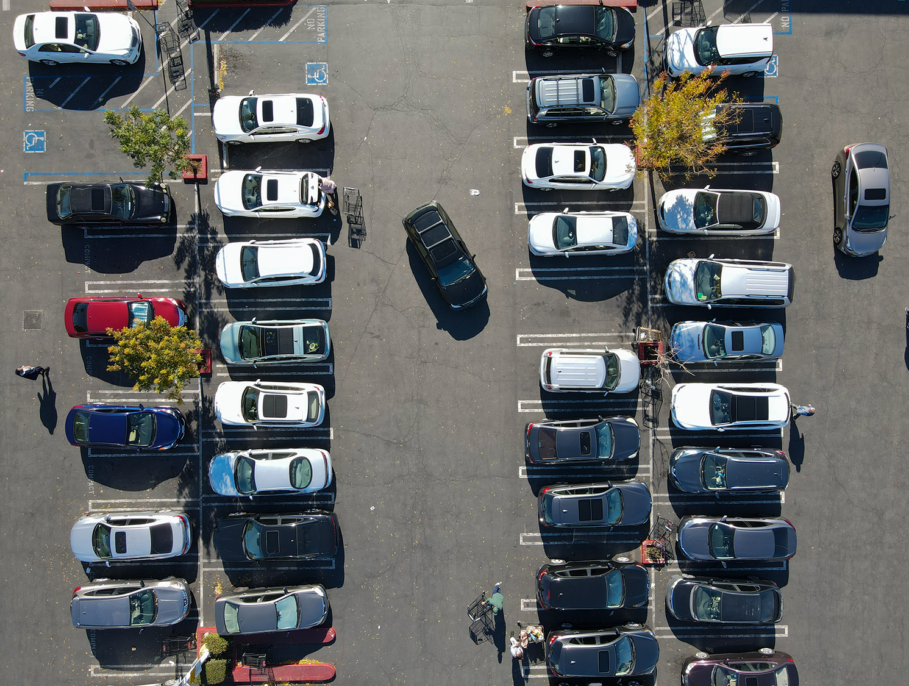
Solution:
(613, 506)
(714, 341)
(705, 50)
(143, 608)
(707, 279)
(604, 440)
(250, 406)
(720, 407)
(564, 233)
(287, 612)
(300, 473)
(615, 588)
(707, 604)
(142, 312)
(704, 210)
(613, 371)
(713, 471)
(252, 191)
(88, 33)
(64, 201)
(314, 406)
(248, 120)
(768, 340)
(80, 427)
(547, 22)
(605, 24)
(249, 262)
(607, 93)
(454, 272)
(249, 342)
(251, 539)
(231, 622)
(140, 429)
(721, 537)
(624, 656)
(101, 541)
(723, 676)
(868, 218)
(245, 475)
(123, 200)
(597, 163)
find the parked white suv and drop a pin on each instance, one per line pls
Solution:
(567, 370)
(729, 283)
(740, 49)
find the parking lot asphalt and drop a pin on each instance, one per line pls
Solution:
(427, 407)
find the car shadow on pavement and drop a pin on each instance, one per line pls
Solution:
(856, 268)
(47, 397)
(142, 474)
(106, 255)
(131, 648)
(107, 82)
(315, 156)
(721, 639)
(95, 359)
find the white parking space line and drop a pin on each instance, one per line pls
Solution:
(304, 500)
(713, 435)
(302, 567)
(266, 24)
(76, 90)
(687, 632)
(708, 368)
(530, 605)
(114, 671)
(268, 303)
(730, 168)
(609, 534)
(568, 139)
(748, 11)
(294, 27)
(553, 206)
(694, 499)
(535, 672)
(577, 273)
(542, 340)
(91, 287)
(665, 236)
(107, 90)
(172, 88)
(326, 369)
(237, 432)
(232, 26)
(692, 570)
(606, 472)
(324, 237)
(105, 503)
(589, 406)
(93, 452)
(6, 5)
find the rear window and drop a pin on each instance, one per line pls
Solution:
(546, 443)
(80, 427)
(871, 158)
(544, 162)
(300, 473)
(547, 22)
(29, 30)
(305, 112)
(80, 318)
(64, 201)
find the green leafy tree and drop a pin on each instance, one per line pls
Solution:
(157, 357)
(152, 137)
(677, 124)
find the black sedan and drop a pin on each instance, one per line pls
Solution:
(623, 651)
(445, 255)
(243, 537)
(106, 204)
(726, 471)
(724, 601)
(602, 504)
(579, 26)
(730, 539)
(585, 440)
(593, 585)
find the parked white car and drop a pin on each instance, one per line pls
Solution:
(54, 38)
(578, 166)
(568, 370)
(271, 118)
(730, 407)
(269, 194)
(582, 233)
(115, 536)
(706, 212)
(292, 262)
(272, 404)
(740, 49)
(270, 472)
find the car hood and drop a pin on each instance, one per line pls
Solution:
(863, 242)
(221, 474)
(170, 311)
(116, 33)
(539, 233)
(685, 341)
(686, 470)
(230, 342)
(680, 51)
(627, 93)
(636, 503)
(646, 652)
(80, 540)
(151, 204)
(168, 429)
(677, 209)
(173, 605)
(691, 405)
(679, 282)
(620, 165)
(627, 439)
(228, 539)
(312, 609)
(637, 586)
(225, 116)
(694, 539)
(228, 402)
(466, 290)
(678, 598)
(630, 376)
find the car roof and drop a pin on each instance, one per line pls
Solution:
(578, 370)
(104, 610)
(755, 118)
(745, 39)
(575, 20)
(754, 280)
(436, 237)
(107, 427)
(566, 91)
(90, 199)
(254, 617)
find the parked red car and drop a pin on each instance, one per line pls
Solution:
(91, 317)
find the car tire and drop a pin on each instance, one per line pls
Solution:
(303, 140)
(49, 63)
(748, 74)
(623, 559)
(836, 169)
(701, 655)
(837, 237)
(765, 651)
(119, 63)
(547, 53)
(557, 562)
(551, 125)
(634, 625)
(617, 122)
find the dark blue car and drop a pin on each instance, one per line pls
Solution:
(127, 426)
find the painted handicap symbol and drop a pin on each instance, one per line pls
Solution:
(317, 73)
(772, 70)
(34, 141)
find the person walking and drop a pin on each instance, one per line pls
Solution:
(330, 188)
(517, 652)
(27, 371)
(497, 601)
(801, 411)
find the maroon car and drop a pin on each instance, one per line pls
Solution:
(91, 317)
(763, 668)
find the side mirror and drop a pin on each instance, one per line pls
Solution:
(716, 363)
(565, 211)
(594, 141)
(709, 306)
(566, 254)
(725, 517)
(721, 430)
(707, 187)
(251, 92)
(259, 168)
(107, 563)
(254, 319)
(250, 497)
(711, 256)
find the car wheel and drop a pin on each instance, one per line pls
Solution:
(545, 190)
(233, 142)
(303, 140)
(557, 562)
(119, 63)
(836, 169)
(623, 559)
(748, 74)
(546, 53)
(612, 53)
(49, 63)
(633, 625)
(766, 651)
(701, 655)
(837, 237)
(618, 122)
(551, 125)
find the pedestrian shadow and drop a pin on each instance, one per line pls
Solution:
(48, 400)
(498, 634)
(796, 446)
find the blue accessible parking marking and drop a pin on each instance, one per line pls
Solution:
(317, 73)
(34, 141)
(772, 70)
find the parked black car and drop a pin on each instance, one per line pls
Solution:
(592, 585)
(579, 26)
(581, 440)
(759, 127)
(308, 535)
(724, 471)
(623, 651)
(763, 668)
(724, 601)
(442, 250)
(602, 504)
(107, 204)
(730, 539)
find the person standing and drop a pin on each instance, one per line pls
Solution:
(517, 652)
(330, 188)
(801, 411)
(27, 371)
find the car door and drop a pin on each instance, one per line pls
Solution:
(60, 52)
(851, 197)
(273, 133)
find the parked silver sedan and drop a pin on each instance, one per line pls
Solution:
(725, 341)
(118, 604)
(861, 199)
(263, 610)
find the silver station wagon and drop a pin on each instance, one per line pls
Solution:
(591, 98)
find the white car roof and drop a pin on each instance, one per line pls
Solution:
(278, 260)
(563, 160)
(115, 29)
(744, 39)
(594, 230)
(753, 280)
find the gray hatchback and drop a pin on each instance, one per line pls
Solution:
(581, 440)
(731, 539)
(861, 199)
(263, 610)
(117, 604)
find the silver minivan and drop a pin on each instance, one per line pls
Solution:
(118, 604)
(580, 98)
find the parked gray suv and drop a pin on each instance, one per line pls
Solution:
(118, 604)
(590, 98)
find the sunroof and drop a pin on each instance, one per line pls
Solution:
(271, 190)
(61, 27)
(603, 661)
(876, 194)
(590, 510)
(738, 341)
(268, 111)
